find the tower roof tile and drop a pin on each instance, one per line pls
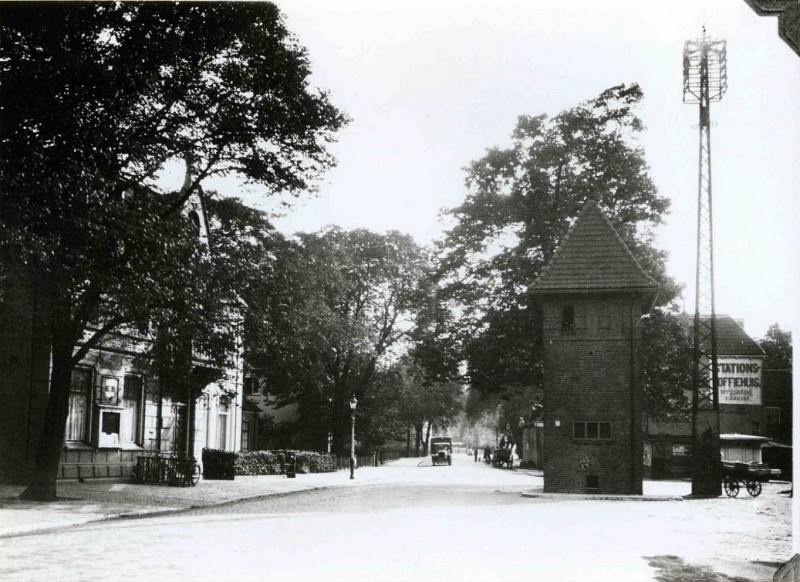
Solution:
(592, 257)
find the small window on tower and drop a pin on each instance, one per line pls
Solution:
(568, 317)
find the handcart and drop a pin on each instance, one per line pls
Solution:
(736, 475)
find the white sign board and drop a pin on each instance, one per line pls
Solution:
(739, 380)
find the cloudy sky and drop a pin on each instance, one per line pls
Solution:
(431, 84)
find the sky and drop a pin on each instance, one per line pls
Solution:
(430, 85)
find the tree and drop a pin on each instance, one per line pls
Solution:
(667, 364)
(346, 300)
(382, 413)
(521, 201)
(777, 344)
(420, 401)
(97, 97)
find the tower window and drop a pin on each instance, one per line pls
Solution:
(591, 430)
(568, 317)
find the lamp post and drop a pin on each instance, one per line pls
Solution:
(353, 404)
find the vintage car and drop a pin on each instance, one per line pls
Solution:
(441, 450)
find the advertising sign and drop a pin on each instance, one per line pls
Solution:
(739, 380)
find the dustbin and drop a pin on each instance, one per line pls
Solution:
(291, 465)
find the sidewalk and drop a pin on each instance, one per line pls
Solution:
(651, 491)
(668, 490)
(96, 500)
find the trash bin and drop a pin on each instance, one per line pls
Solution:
(291, 465)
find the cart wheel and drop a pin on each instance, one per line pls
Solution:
(754, 488)
(195, 474)
(731, 487)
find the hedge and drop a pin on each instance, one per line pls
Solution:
(273, 462)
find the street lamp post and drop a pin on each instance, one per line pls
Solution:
(353, 404)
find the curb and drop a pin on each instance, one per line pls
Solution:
(144, 513)
(585, 497)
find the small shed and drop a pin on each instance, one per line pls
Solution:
(744, 448)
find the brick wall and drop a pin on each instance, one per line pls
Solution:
(591, 373)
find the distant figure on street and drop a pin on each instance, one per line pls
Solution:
(476, 454)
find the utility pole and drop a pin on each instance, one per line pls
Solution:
(705, 81)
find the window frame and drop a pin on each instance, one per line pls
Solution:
(582, 430)
(138, 421)
(223, 432)
(86, 428)
(254, 388)
(568, 317)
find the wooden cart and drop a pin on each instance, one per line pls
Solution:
(736, 475)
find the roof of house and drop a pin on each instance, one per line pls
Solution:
(732, 339)
(743, 438)
(592, 257)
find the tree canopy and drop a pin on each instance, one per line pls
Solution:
(96, 98)
(338, 306)
(777, 344)
(520, 203)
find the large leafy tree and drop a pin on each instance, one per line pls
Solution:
(340, 302)
(521, 201)
(414, 398)
(777, 343)
(96, 98)
(667, 364)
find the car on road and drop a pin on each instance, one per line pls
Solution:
(441, 450)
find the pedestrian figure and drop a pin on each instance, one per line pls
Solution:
(476, 454)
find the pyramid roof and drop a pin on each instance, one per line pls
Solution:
(591, 258)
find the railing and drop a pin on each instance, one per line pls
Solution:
(375, 459)
(178, 472)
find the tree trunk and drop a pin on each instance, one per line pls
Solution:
(427, 439)
(418, 439)
(408, 441)
(42, 479)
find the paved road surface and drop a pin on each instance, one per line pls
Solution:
(416, 522)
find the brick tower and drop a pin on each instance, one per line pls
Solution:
(591, 296)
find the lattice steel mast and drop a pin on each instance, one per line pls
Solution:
(705, 81)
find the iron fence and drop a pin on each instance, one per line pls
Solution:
(175, 471)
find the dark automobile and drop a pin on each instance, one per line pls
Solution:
(441, 450)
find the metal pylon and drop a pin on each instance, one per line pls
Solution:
(705, 81)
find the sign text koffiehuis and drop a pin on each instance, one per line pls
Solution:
(739, 380)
